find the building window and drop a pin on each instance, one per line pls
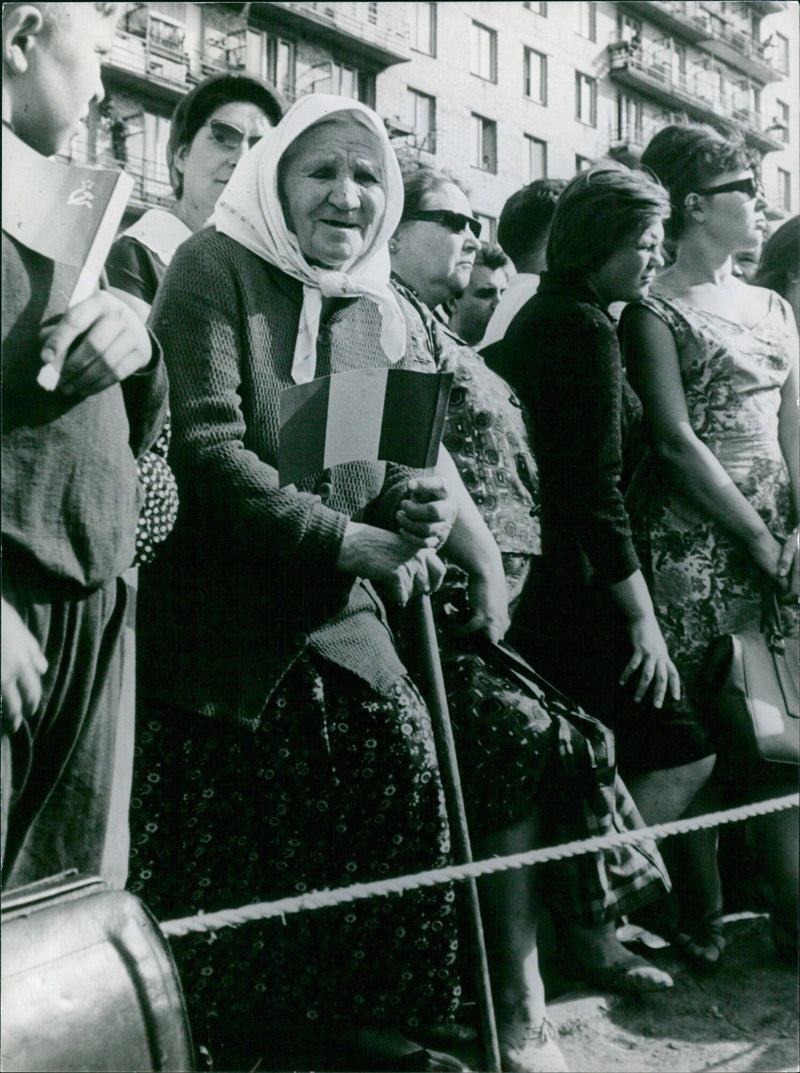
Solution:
(587, 19)
(585, 99)
(423, 28)
(535, 159)
(488, 227)
(146, 150)
(780, 45)
(535, 75)
(423, 119)
(630, 30)
(784, 190)
(630, 119)
(484, 143)
(537, 9)
(582, 162)
(273, 58)
(483, 49)
(783, 118)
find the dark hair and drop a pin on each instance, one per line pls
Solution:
(599, 209)
(194, 109)
(689, 156)
(526, 217)
(780, 258)
(490, 256)
(421, 180)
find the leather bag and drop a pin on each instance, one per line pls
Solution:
(748, 689)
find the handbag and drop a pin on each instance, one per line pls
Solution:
(748, 690)
(585, 746)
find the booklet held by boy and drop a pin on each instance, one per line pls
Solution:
(68, 213)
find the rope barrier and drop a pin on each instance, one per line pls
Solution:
(227, 918)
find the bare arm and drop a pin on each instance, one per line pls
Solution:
(649, 647)
(654, 372)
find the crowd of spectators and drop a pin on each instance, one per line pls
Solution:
(610, 494)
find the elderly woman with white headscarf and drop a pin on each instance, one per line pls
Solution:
(284, 747)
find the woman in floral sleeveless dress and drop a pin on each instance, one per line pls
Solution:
(715, 505)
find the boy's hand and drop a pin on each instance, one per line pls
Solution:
(23, 665)
(113, 344)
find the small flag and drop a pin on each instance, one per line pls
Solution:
(388, 415)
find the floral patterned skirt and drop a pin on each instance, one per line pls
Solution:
(337, 785)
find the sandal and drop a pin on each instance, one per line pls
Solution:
(704, 944)
(632, 976)
(536, 1051)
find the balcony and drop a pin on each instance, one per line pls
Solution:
(375, 34)
(693, 91)
(679, 17)
(148, 51)
(742, 51)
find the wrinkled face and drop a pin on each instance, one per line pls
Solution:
(332, 191)
(63, 75)
(473, 310)
(432, 258)
(627, 274)
(207, 163)
(734, 218)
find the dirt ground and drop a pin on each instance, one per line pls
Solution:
(741, 1019)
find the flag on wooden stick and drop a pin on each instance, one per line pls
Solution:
(388, 415)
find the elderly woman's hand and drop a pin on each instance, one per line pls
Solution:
(390, 561)
(426, 517)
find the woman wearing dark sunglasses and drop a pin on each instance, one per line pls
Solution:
(716, 503)
(435, 203)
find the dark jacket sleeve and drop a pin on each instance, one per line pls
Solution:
(199, 318)
(567, 370)
(146, 401)
(132, 268)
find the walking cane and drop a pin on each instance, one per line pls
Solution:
(436, 697)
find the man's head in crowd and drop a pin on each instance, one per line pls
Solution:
(524, 225)
(51, 67)
(471, 312)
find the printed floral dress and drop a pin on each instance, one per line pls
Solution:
(702, 582)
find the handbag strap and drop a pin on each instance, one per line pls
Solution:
(772, 618)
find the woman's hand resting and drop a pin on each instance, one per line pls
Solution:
(488, 603)
(650, 653)
(789, 568)
(427, 514)
(400, 568)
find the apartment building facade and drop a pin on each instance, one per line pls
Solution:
(499, 92)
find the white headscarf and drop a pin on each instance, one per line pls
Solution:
(250, 212)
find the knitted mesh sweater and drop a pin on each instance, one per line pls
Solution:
(248, 577)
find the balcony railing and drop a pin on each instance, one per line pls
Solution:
(145, 57)
(378, 31)
(684, 18)
(694, 89)
(741, 50)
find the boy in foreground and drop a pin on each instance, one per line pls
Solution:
(70, 495)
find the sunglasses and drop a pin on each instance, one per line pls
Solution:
(750, 186)
(453, 221)
(229, 136)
